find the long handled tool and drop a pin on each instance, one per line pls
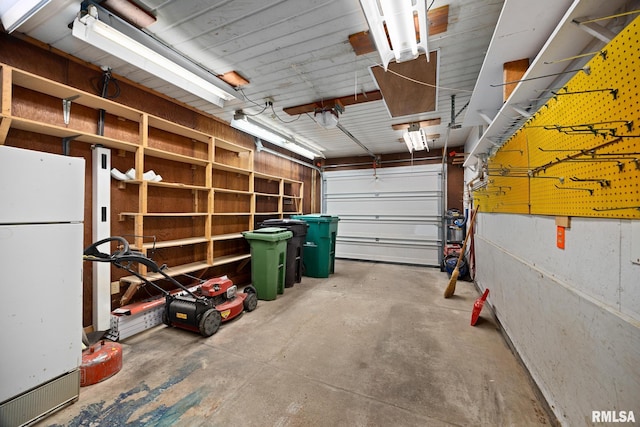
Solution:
(451, 288)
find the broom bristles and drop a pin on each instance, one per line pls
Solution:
(451, 288)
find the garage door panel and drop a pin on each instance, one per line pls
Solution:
(388, 251)
(405, 230)
(394, 216)
(385, 180)
(381, 206)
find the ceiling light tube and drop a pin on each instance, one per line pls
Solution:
(416, 139)
(398, 19)
(253, 127)
(17, 12)
(95, 32)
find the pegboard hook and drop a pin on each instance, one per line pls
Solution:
(576, 189)
(603, 182)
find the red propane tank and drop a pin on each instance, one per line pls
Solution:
(100, 361)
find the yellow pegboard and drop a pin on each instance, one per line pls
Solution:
(507, 188)
(581, 149)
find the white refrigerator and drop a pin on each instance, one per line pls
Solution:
(41, 244)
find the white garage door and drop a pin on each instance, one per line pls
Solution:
(393, 216)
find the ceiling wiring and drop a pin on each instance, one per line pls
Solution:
(421, 82)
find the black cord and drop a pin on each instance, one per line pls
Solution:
(98, 84)
(252, 101)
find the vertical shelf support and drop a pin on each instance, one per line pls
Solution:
(208, 223)
(5, 103)
(143, 188)
(101, 228)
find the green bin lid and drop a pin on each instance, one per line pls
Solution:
(270, 234)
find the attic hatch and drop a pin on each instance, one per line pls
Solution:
(409, 87)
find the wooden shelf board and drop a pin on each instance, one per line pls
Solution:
(229, 168)
(266, 213)
(173, 243)
(167, 155)
(162, 124)
(63, 132)
(291, 181)
(231, 146)
(177, 185)
(231, 213)
(267, 194)
(229, 236)
(58, 90)
(164, 214)
(229, 259)
(229, 191)
(266, 176)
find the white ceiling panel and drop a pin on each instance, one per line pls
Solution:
(296, 52)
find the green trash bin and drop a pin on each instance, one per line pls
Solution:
(268, 260)
(320, 246)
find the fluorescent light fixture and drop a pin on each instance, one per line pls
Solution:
(415, 138)
(95, 32)
(261, 131)
(16, 12)
(405, 23)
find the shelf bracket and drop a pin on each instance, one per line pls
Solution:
(66, 108)
(66, 143)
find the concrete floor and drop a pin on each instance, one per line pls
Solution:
(373, 345)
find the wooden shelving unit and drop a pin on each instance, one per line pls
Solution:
(208, 185)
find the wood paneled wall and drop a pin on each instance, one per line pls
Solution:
(56, 66)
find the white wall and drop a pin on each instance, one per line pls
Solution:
(573, 315)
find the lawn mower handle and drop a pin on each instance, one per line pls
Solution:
(124, 256)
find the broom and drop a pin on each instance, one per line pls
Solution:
(451, 288)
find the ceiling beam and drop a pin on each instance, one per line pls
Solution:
(423, 123)
(374, 95)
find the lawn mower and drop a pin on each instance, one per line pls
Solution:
(201, 309)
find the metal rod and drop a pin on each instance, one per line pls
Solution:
(577, 189)
(601, 52)
(354, 139)
(627, 123)
(613, 92)
(559, 178)
(616, 209)
(602, 182)
(572, 156)
(617, 15)
(587, 70)
(619, 163)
